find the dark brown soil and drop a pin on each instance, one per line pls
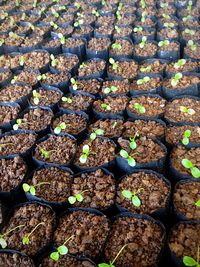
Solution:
(30, 215)
(27, 76)
(15, 260)
(56, 78)
(155, 67)
(125, 20)
(143, 238)
(41, 31)
(66, 261)
(150, 129)
(101, 190)
(12, 173)
(179, 153)
(47, 97)
(36, 119)
(73, 42)
(188, 66)
(5, 75)
(184, 240)
(175, 134)
(192, 53)
(105, 20)
(79, 102)
(102, 151)
(187, 36)
(146, 151)
(122, 32)
(185, 197)
(99, 44)
(126, 69)
(126, 48)
(111, 128)
(52, 43)
(90, 67)
(8, 61)
(60, 184)
(10, 41)
(171, 47)
(91, 86)
(104, 30)
(36, 59)
(78, 32)
(31, 41)
(61, 149)
(149, 86)
(168, 33)
(147, 102)
(8, 113)
(65, 31)
(11, 93)
(117, 104)
(15, 144)
(66, 63)
(89, 233)
(149, 49)
(174, 114)
(147, 23)
(65, 18)
(75, 123)
(184, 82)
(153, 195)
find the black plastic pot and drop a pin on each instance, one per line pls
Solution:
(99, 74)
(169, 55)
(78, 50)
(6, 81)
(90, 54)
(21, 255)
(142, 58)
(52, 50)
(150, 61)
(8, 126)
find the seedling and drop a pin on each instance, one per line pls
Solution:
(190, 31)
(78, 197)
(62, 38)
(85, 154)
(138, 29)
(146, 69)
(77, 5)
(111, 264)
(67, 99)
(74, 84)
(179, 63)
(54, 25)
(192, 45)
(176, 79)
(36, 97)
(124, 154)
(106, 106)
(189, 261)
(61, 250)
(120, 6)
(164, 5)
(143, 18)
(17, 125)
(78, 23)
(118, 30)
(3, 242)
(60, 127)
(143, 42)
(95, 133)
(114, 125)
(54, 61)
(187, 18)
(2, 41)
(13, 35)
(166, 16)
(41, 77)
(111, 89)
(197, 203)
(17, 3)
(116, 46)
(118, 15)
(35, 3)
(189, 165)
(163, 43)
(32, 188)
(169, 25)
(26, 238)
(21, 61)
(5, 145)
(133, 144)
(14, 79)
(144, 80)
(189, 111)
(140, 108)
(113, 63)
(46, 153)
(189, 6)
(186, 136)
(4, 15)
(95, 12)
(143, 4)
(83, 65)
(133, 196)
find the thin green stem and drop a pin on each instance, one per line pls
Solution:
(68, 239)
(42, 183)
(118, 254)
(42, 223)
(13, 229)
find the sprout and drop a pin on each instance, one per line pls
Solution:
(164, 5)
(61, 250)
(186, 135)
(113, 63)
(111, 89)
(54, 61)
(41, 77)
(60, 127)
(78, 197)
(143, 18)
(103, 2)
(120, 6)
(3, 242)
(116, 46)
(118, 30)
(138, 29)
(17, 3)
(169, 25)
(36, 97)
(114, 125)
(189, 111)
(189, 165)
(133, 144)
(192, 45)
(62, 38)
(143, 4)
(189, 6)
(35, 3)
(147, 69)
(14, 79)
(45, 153)
(176, 78)
(133, 196)
(197, 203)
(166, 16)
(31, 188)
(18, 123)
(78, 23)
(95, 133)
(95, 12)
(74, 84)
(85, 154)
(2, 41)
(189, 261)
(144, 80)
(67, 99)
(140, 108)
(187, 18)
(106, 106)
(179, 63)
(163, 43)
(54, 25)
(13, 35)
(143, 42)
(124, 154)
(26, 238)
(118, 15)
(82, 65)
(77, 5)
(190, 31)
(21, 61)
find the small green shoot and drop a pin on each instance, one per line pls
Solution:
(190, 31)
(112, 89)
(133, 196)
(144, 80)
(124, 154)
(166, 16)
(14, 79)
(83, 65)
(85, 154)
(189, 165)
(140, 108)
(54, 25)
(118, 15)
(45, 153)
(179, 63)
(95, 12)
(189, 111)
(78, 23)
(169, 25)
(32, 188)
(36, 97)
(197, 203)
(118, 30)
(78, 197)
(74, 84)
(189, 6)
(187, 18)
(143, 42)
(106, 106)
(61, 250)
(17, 3)
(113, 63)
(186, 136)
(54, 61)
(116, 46)
(41, 77)
(176, 79)
(146, 69)
(62, 38)
(60, 127)
(163, 43)
(192, 45)
(98, 132)
(3, 242)
(189, 261)
(138, 29)
(67, 99)
(17, 124)
(26, 238)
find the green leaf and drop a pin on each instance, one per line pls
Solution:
(111, 60)
(185, 141)
(195, 172)
(57, 130)
(123, 153)
(93, 136)
(136, 201)
(3, 242)
(197, 203)
(142, 109)
(86, 149)
(107, 90)
(133, 145)
(131, 162)
(104, 265)
(126, 194)
(187, 163)
(26, 187)
(72, 200)
(99, 132)
(83, 158)
(62, 125)
(32, 190)
(25, 240)
(79, 198)
(189, 261)
(187, 133)
(54, 256)
(63, 250)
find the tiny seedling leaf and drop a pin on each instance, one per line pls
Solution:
(197, 203)
(136, 201)
(83, 158)
(189, 261)
(131, 162)
(26, 187)
(63, 250)
(3, 242)
(25, 240)
(195, 172)
(72, 200)
(54, 256)
(127, 194)
(187, 163)
(79, 198)
(123, 154)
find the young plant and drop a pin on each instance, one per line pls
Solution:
(120, 6)
(2, 41)
(106, 106)
(96, 133)
(78, 197)
(197, 203)
(62, 38)
(36, 97)
(54, 61)
(46, 153)
(95, 12)
(140, 108)
(103, 2)
(41, 77)
(17, 3)
(118, 30)
(61, 250)
(186, 136)
(144, 80)
(169, 25)
(114, 125)
(118, 15)
(187, 18)
(111, 89)
(164, 5)
(143, 4)
(133, 196)
(143, 18)
(26, 238)
(113, 63)
(17, 124)
(189, 6)
(138, 29)
(176, 79)
(192, 45)
(166, 16)
(67, 99)
(78, 23)
(54, 25)
(83, 65)
(189, 261)
(85, 154)
(74, 84)
(60, 127)
(146, 69)
(143, 42)
(190, 31)
(14, 79)
(163, 43)
(189, 165)
(35, 3)
(111, 264)
(3, 242)
(32, 188)
(116, 46)
(189, 111)
(179, 63)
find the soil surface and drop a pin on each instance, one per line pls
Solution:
(15, 260)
